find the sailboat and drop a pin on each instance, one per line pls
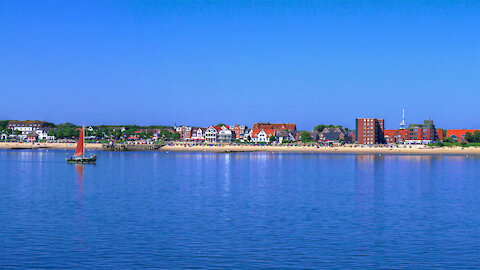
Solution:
(79, 156)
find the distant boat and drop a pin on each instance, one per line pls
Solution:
(79, 156)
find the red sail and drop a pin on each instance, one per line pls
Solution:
(79, 149)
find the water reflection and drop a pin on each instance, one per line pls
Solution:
(80, 181)
(227, 175)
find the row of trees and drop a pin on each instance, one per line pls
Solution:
(66, 130)
(473, 138)
(69, 130)
(321, 127)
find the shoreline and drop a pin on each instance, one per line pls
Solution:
(349, 149)
(325, 150)
(39, 145)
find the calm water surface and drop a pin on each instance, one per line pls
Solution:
(249, 210)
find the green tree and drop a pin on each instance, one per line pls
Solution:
(305, 137)
(176, 136)
(272, 138)
(49, 125)
(476, 136)
(448, 140)
(321, 127)
(473, 138)
(469, 137)
(220, 125)
(3, 124)
(59, 134)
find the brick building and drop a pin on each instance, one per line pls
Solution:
(395, 135)
(422, 133)
(459, 134)
(185, 132)
(369, 131)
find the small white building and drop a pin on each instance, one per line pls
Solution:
(43, 135)
(284, 135)
(261, 135)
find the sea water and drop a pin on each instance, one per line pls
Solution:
(137, 210)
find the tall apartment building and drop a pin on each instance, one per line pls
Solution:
(369, 131)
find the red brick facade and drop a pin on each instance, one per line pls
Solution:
(459, 134)
(370, 131)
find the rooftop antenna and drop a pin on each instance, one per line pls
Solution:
(402, 124)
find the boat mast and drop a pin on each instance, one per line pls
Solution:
(83, 140)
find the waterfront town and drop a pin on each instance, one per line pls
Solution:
(368, 131)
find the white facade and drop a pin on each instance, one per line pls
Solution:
(225, 135)
(198, 134)
(211, 134)
(25, 127)
(43, 135)
(289, 137)
(260, 136)
(24, 130)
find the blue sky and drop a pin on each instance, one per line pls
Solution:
(204, 62)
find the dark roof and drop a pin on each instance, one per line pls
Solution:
(286, 126)
(331, 136)
(26, 123)
(32, 134)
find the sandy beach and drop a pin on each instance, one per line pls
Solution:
(340, 149)
(181, 147)
(39, 145)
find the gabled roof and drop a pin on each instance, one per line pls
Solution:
(331, 136)
(269, 132)
(217, 129)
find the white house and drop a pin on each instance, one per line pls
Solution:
(199, 134)
(43, 135)
(212, 132)
(284, 135)
(261, 135)
(25, 127)
(226, 135)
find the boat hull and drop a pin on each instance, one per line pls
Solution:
(82, 160)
